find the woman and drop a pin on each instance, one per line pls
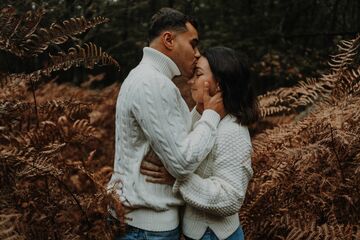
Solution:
(215, 192)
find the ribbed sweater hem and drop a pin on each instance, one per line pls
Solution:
(195, 228)
(150, 220)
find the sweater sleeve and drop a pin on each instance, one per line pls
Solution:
(195, 116)
(157, 109)
(222, 193)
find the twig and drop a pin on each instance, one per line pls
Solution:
(68, 190)
(34, 96)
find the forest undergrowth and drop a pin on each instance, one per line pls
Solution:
(57, 145)
(307, 171)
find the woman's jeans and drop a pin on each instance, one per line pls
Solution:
(133, 233)
(210, 235)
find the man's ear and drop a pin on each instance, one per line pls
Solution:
(168, 40)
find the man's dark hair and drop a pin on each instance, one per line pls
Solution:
(231, 72)
(169, 19)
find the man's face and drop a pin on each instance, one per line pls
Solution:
(186, 52)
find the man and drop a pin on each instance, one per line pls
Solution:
(150, 113)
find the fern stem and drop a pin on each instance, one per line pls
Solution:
(74, 197)
(34, 96)
(54, 231)
(69, 191)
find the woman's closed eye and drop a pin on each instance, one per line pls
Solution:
(198, 74)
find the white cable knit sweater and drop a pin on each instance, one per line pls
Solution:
(215, 192)
(151, 112)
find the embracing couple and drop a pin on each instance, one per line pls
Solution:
(166, 156)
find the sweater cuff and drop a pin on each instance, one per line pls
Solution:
(211, 117)
(176, 187)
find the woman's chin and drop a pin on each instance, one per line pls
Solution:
(197, 98)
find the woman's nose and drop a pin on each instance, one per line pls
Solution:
(197, 53)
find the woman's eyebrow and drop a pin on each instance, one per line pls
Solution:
(198, 68)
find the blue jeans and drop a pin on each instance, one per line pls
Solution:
(133, 233)
(210, 235)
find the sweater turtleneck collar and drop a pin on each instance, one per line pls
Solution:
(161, 62)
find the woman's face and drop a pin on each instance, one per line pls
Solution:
(202, 73)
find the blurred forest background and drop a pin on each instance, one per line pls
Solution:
(284, 39)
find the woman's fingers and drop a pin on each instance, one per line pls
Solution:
(166, 181)
(151, 173)
(149, 166)
(157, 177)
(157, 180)
(155, 173)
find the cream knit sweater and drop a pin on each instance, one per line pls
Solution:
(150, 112)
(215, 192)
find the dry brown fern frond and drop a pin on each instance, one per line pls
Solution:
(16, 78)
(8, 228)
(50, 134)
(63, 131)
(270, 181)
(73, 110)
(59, 33)
(17, 32)
(348, 83)
(89, 55)
(348, 50)
(42, 166)
(77, 110)
(9, 167)
(38, 137)
(15, 29)
(289, 228)
(50, 110)
(15, 116)
(13, 88)
(11, 109)
(82, 131)
(12, 85)
(297, 230)
(342, 78)
(9, 23)
(290, 100)
(322, 149)
(6, 14)
(30, 22)
(32, 162)
(44, 173)
(45, 170)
